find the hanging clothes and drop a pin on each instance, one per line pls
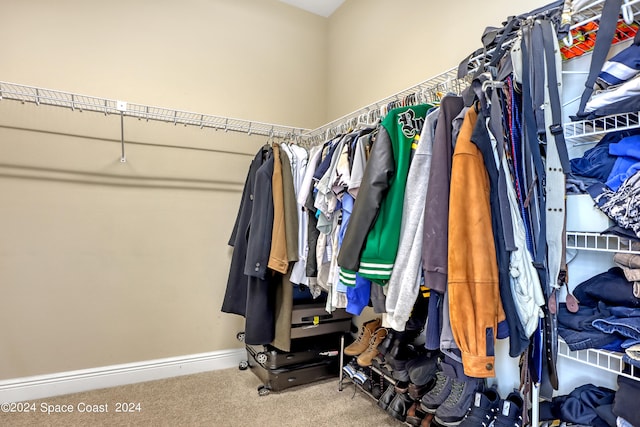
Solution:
(289, 204)
(299, 160)
(371, 243)
(483, 139)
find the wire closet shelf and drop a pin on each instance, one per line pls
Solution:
(74, 101)
(603, 359)
(583, 131)
(588, 241)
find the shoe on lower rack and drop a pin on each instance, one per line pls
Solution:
(399, 406)
(417, 391)
(509, 412)
(415, 414)
(438, 394)
(427, 420)
(453, 410)
(376, 392)
(350, 369)
(387, 397)
(484, 409)
(402, 386)
(377, 384)
(360, 377)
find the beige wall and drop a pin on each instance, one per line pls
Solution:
(254, 59)
(103, 262)
(380, 47)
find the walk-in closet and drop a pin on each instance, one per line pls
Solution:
(323, 213)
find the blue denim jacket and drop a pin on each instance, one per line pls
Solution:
(624, 321)
(578, 331)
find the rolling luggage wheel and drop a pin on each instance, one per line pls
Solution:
(261, 358)
(240, 336)
(243, 365)
(263, 390)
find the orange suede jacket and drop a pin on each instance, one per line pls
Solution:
(474, 298)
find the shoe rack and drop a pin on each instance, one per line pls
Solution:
(378, 375)
(385, 376)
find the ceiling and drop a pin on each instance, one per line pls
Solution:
(319, 7)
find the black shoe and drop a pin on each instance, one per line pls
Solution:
(484, 409)
(510, 411)
(387, 397)
(376, 392)
(399, 406)
(387, 343)
(402, 386)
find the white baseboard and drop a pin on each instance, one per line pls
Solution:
(42, 386)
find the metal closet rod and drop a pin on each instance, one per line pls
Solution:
(74, 101)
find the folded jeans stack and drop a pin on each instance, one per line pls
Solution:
(608, 316)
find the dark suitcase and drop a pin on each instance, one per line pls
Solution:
(303, 350)
(312, 319)
(314, 354)
(293, 375)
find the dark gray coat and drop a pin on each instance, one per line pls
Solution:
(251, 286)
(236, 294)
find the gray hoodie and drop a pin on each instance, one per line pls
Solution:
(404, 284)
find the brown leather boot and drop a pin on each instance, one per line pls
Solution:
(371, 352)
(415, 414)
(362, 342)
(426, 421)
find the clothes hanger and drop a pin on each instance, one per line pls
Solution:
(372, 116)
(270, 138)
(362, 119)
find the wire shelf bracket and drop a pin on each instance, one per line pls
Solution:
(602, 359)
(585, 241)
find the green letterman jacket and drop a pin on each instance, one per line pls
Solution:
(371, 240)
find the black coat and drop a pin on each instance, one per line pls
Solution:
(236, 294)
(251, 287)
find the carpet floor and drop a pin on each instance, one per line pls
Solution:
(224, 398)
